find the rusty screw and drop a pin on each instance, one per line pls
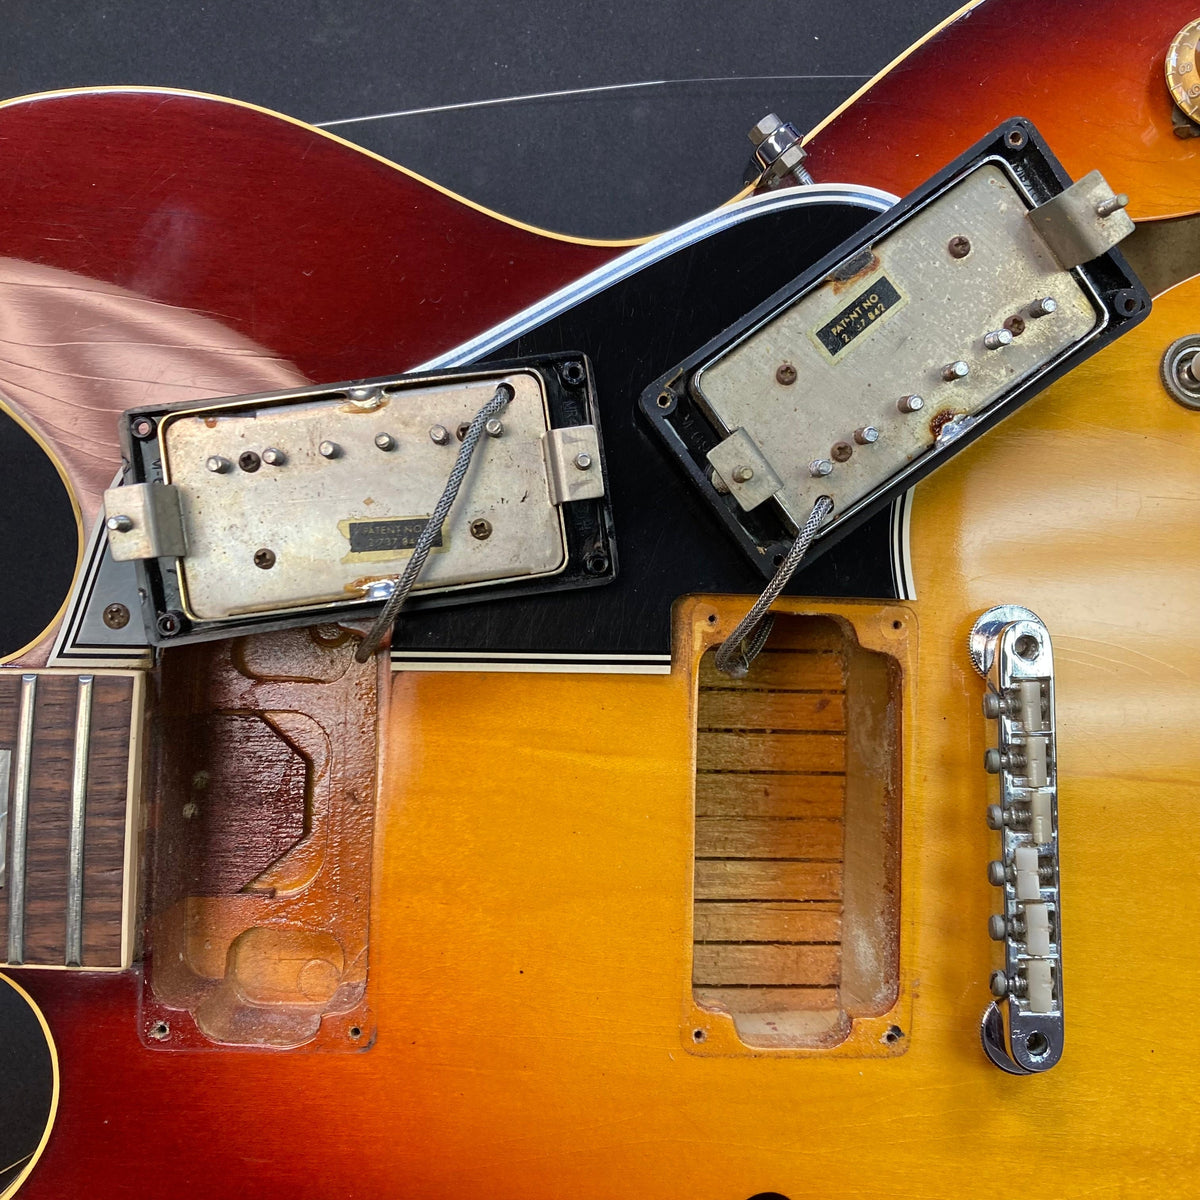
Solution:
(959, 246)
(841, 451)
(248, 460)
(264, 559)
(481, 530)
(116, 616)
(1015, 326)
(785, 374)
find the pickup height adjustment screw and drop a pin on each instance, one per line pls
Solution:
(997, 339)
(218, 465)
(494, 427)
(329, 450)
(868, 435)
(439, 435)
(264, 559)
(274, 457)
(910, 404)
(119, 524)
(385, 441)
(583, 460)
(1043, 307)
(820, 467)
(481, 530)
(743, 474)
(959, 246)
(1113, 204)
(955, 370)
(785, 374)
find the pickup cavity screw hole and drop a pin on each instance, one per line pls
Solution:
(160, 1032)
(1016, 138)
(596, 564)
(666, 400)
(698, 1035)
(712, 618)
(1036, 1044)
(143, 427)
(355, 1032)
(1027, 647)
(169, 623)
(893, 1034)
(1127, 302)
(897, 624)
(573, 373)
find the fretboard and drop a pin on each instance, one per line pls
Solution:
(68, 776)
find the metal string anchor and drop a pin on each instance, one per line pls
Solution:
(743, 645)
(404, 585)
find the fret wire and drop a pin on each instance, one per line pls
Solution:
(79, 781)
(20, 820)
(5, 769)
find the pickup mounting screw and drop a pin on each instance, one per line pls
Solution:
(955, 370)
(439, 435)
(385, 441)
(494, 427)
(583, 460)
(959, 246)
(743, 474)
(116, 616)
(785, 373)
(264, 559)
(481, 530)
(143, 427)
(910, 404)
(119, 524)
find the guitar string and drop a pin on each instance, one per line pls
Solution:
(584, 91)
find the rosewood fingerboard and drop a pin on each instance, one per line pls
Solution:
(68, 777)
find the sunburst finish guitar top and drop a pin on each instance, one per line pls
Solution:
(549, 1000)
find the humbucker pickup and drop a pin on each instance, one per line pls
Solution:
(1010, 648)
(902, 346)
(256, 512)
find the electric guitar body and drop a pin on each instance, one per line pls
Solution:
(649, 934)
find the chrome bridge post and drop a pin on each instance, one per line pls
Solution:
(1010, 648)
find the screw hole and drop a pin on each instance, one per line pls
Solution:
(1027, 647)
(712, 618)
(1037, 1044)
(1016, 138)
(698, 1035)
(893, 1034)
(573, 373)
(143, 427)
(355, 1032)
(897, 624)
(596, 564)
(777, 560)
(161, 1031)
(665, 400)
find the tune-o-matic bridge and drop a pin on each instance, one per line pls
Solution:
(1010, 648)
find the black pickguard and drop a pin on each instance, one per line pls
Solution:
(668, 542)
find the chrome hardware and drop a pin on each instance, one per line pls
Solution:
(777, 154)
(1010, 648)
(1179, 371)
